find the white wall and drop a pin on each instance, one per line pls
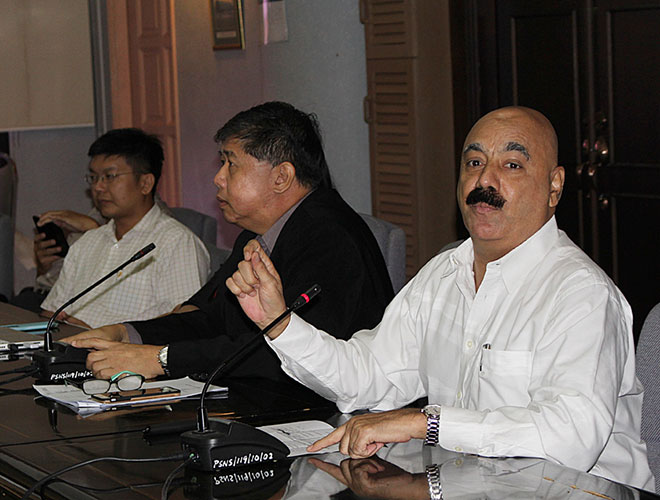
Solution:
(45, 71)
(320, 69)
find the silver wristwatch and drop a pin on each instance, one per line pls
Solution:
(433, 478)
(162, 359)
(432, 413)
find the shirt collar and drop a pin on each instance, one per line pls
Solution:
(522, 260)
(518, 263)
(269, 238)
(144, 225)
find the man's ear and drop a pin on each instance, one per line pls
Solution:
(147, 182)
(284, 176)
(556, 185)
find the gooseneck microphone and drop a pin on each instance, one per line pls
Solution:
(68, 361)
(233, 444)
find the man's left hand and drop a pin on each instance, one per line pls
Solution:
(364, 435)
(258, 288)
(109, 358)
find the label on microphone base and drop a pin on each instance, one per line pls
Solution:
(70, 375)
(243, 460)
(227, 445)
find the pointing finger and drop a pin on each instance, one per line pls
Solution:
(333, 438)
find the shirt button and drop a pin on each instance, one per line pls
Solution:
(469, 344)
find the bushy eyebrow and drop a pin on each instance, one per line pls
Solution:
(475, 146)
(104, 169)
(516, 146)
(229, 154)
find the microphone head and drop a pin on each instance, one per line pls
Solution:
(304, 298)
(313, 291)
(143, 252)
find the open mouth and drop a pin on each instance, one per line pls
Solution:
(485, 206)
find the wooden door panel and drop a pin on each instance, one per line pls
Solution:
(539, 52)
(629, 49)
(389, 28)
(153, 84)
(391, 103)
(626, 187)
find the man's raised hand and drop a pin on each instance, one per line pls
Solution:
(258, 288)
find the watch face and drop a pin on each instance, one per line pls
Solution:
(432, 410)
(162, 356)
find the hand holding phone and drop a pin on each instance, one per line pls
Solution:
(53, 232)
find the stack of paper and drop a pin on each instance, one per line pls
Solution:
(82, 403)
(297, 436)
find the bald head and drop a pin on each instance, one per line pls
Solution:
(510, 182)
(536, 124)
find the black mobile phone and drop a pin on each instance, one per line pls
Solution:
(136, 396)
(53, 232)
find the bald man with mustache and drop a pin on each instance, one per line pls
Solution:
(521, 343)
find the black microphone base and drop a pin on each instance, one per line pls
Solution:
(63, 362)
(228, 444)
(257, 482)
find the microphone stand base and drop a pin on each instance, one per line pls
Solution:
(228, 444)
(63, 362)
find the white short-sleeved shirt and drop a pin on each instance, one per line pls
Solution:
(539, 362)
(149, 287)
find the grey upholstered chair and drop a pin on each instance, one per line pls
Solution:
(450, 246)
(6, 256)
(392, 242)
(205, 227)
(648, 371)
(8, 185)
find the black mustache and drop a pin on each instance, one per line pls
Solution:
(488, 196)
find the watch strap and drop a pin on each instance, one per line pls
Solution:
(433, 477)
(432, 413)
(163, 359)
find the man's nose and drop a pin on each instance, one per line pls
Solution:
(488, 177)
(98, 186)
(219, 179)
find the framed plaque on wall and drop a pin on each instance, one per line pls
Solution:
(227, 24)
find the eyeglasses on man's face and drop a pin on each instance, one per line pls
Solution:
(92, 179)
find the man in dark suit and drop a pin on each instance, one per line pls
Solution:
(275, 184)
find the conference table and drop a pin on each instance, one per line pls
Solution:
(39, 437)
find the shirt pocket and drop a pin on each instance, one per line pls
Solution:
(504, 378)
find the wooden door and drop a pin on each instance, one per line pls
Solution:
(592, 67)
(408, 109)
(389, 106)
(143, 79)
(624, 189)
